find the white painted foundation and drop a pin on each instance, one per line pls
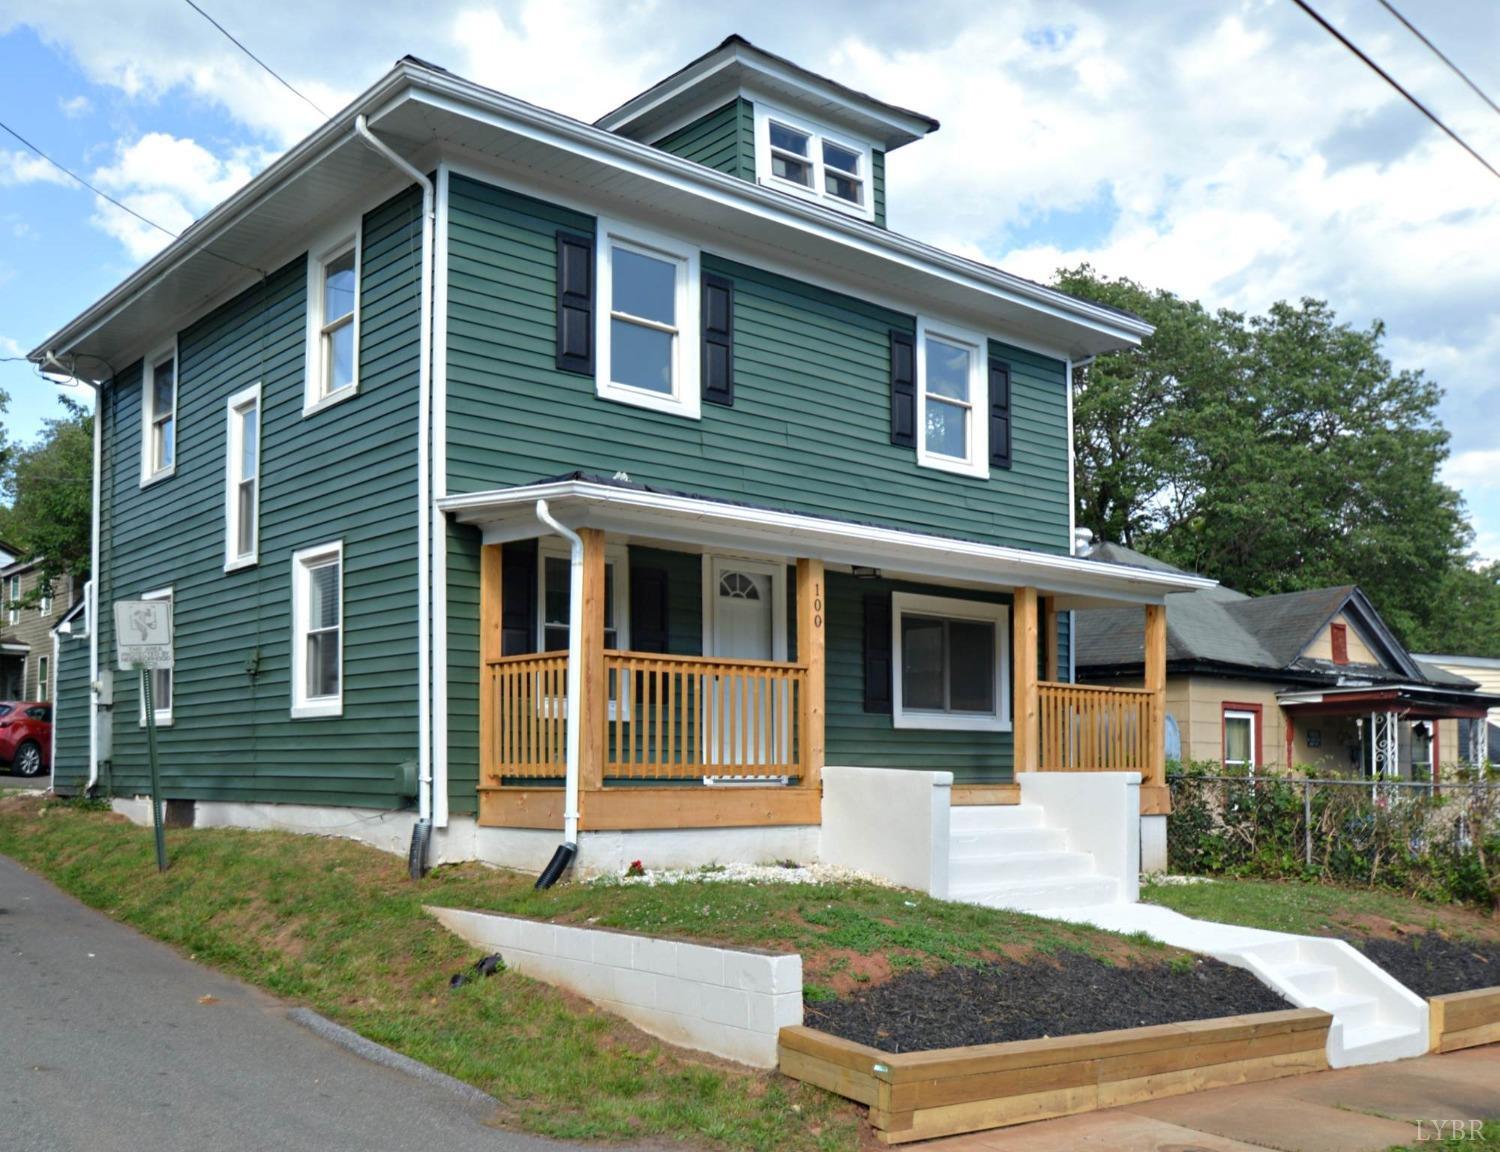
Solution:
(1099, 813)
(1153, 845)
(889, 822)
(727, 1002)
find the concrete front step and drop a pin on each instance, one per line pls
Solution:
(985, 872)
(1309, 978)
(1064, 892)
(965, 818)
(1004, 842)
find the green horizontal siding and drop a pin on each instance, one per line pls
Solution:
(70, 714)
(722, 139)
(346, 473)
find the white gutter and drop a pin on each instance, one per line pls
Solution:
(575, 670)
(424, 476)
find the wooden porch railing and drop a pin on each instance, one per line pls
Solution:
(689, 717)
(1085, 728)
(531, 718)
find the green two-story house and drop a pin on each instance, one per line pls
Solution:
(514, 479)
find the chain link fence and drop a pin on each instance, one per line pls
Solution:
(1437, 840)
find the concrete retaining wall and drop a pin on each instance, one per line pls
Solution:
(730, 1003)
(889, 822)
(1100, 812)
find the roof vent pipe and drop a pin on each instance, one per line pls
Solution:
(1083, 541)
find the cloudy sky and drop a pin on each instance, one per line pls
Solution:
(1228, 150)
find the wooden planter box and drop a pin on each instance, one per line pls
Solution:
(920, 1095)
(1458, 1020)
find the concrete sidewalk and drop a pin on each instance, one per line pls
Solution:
(1366, 1109)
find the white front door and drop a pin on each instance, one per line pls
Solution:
(745, 609)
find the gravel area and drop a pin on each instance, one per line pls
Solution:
(745, 874)
(1062, 995)
(1434, 965)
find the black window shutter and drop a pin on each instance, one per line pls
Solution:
(877, 652)
(575, 303)
(903, 390)
(649, 621)
(718, 340)
(999, 414)
(518, 598)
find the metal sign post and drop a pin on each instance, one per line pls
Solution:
(143, 639)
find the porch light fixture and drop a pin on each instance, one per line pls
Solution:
(864, 572)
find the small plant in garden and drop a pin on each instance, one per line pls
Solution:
(636, 869)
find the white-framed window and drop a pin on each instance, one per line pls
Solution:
(554, 595)
(1239, 739)
(953, 419)
(159, 416)
(333, 275)
(162, 682)
(813, 161)
(647, 325)
(13, 600)
(951, 663)
(318, 631)
(44, 602)
(43, 678)
(242, 480)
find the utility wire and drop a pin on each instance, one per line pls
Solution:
(1438, 52)
(1391, 80)
(275, 75)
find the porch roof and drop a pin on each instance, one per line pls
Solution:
(1428, 701)
(649, 514)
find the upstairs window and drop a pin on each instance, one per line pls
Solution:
(952, 401)
(817, 163)
(333, 323)
(318, 631)
(242, 480)
(159, 418)
(13, 600)
(44, 603)
(647, 333)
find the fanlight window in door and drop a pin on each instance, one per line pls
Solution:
(738, 586)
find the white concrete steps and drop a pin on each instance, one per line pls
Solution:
(1005, 856)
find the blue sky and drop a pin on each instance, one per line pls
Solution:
(1229, 152)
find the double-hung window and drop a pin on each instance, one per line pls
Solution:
(952, 400)
(647, 334)
(13, 600)
(951, 662)
(318, 631)
(43, 678)
(811, 161)
(242, 480)
(159, 417)
(1239, 739)
(333, 271)
(162, 684)
(44, 603)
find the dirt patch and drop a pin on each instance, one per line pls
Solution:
(1063, 995)
(1434, 965)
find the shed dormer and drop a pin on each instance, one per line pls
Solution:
(762, 118)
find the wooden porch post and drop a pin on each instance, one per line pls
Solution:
(1024, 657)
(1154, 799)
(489, 649)
(812, 602)
(593, 693)
(1049, 637)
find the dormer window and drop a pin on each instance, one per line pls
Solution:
(811, 161)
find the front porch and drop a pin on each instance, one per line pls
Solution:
(963, 669)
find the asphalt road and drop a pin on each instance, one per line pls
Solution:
(106, 1044)
(30, 783)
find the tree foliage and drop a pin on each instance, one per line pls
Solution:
(1275, 453)
(48, 485)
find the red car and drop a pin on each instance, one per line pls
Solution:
(26, 736)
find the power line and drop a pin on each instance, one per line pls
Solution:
(276, 75)
(1391, 80)
(1438, 52)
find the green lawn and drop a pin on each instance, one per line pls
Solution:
(338, 926)
(1319, 909)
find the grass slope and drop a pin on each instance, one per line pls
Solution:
(338, 926)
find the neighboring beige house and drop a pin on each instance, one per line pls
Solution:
(1305, 681)
(26, 620)
(1478, 740)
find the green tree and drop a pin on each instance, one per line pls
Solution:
(1273, 453)
(49, 487)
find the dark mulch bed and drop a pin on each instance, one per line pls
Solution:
(1434, 965)
(1048, 996)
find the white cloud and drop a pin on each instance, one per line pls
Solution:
(75, 106)
(1476, 468)
(27, 168)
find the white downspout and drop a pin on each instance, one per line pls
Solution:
(575, 670)
(424, 477)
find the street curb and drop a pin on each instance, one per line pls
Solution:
(379, 1054)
